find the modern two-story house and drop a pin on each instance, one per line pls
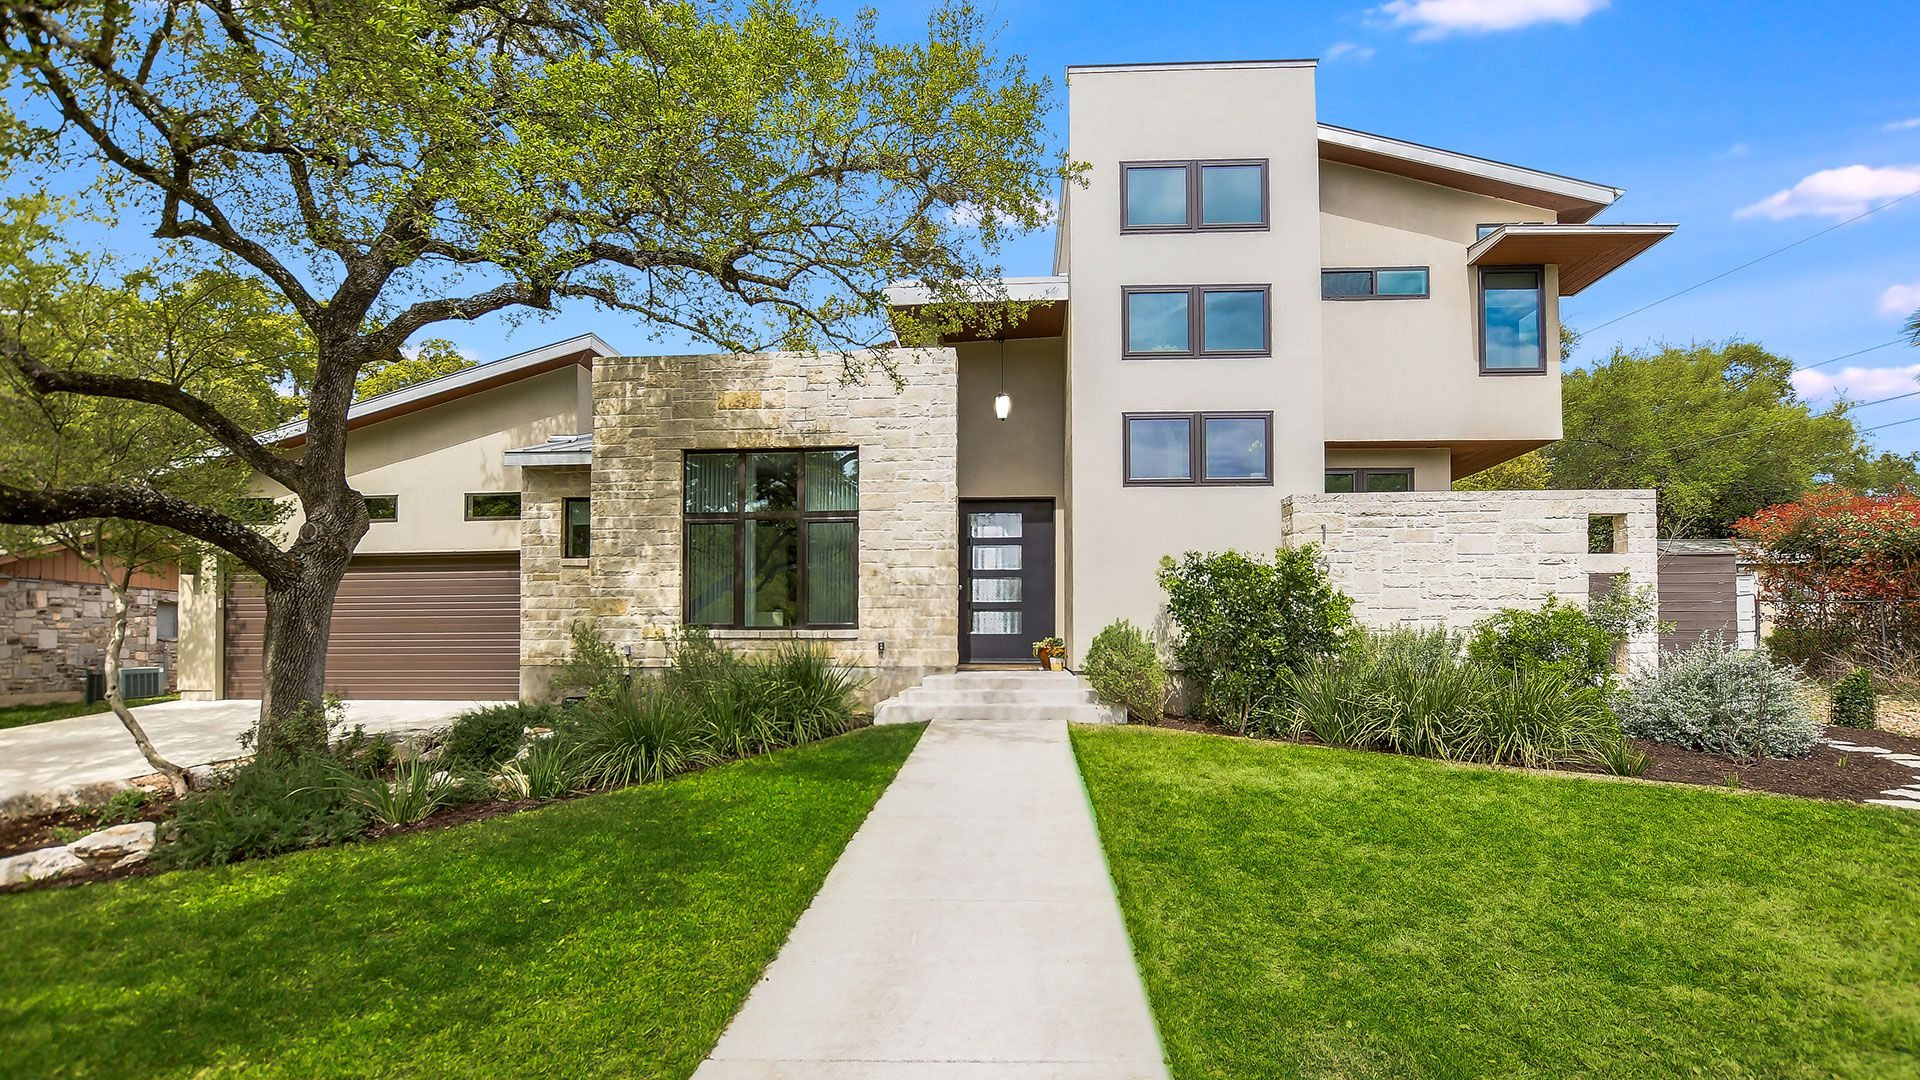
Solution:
(1259, 330)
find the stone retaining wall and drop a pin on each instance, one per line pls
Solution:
(1453, 557)
(53, 632)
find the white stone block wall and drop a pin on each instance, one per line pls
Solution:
(1451, 558)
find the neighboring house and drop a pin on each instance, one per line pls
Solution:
(55, 614)
(1260, 330)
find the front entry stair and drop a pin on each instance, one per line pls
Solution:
(998, 695)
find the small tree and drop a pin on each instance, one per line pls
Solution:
(1842, 572)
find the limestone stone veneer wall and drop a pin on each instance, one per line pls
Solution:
(1453, 557)
(648, 411)
(55, 631)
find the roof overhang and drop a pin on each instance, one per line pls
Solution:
(558, 450)
(1571, 200)
(1045, 318)
(1584, 253)
(581, 351)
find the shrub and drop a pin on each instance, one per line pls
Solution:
(1556, 637)
(277, 804)
(1856, 701)
(417, 789)
(594, 666)
(484, 737)
(1413, 692)
(125, 805)
(545, 771)
(809, 696)
(1242, 622)
(1125, 670)
(648, 733)
(1715, 698)
(1622, 758)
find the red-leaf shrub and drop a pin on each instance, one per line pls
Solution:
(1843, 573)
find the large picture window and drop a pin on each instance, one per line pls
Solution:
(1198, 448)
(1512, 320)
(1170, 322)
(1193, 196)
(772, 538)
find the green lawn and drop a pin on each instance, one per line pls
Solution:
(14, 716)
(608, 936)
(1300, 911)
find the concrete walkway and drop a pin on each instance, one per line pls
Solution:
(55, 762)
(969, 931)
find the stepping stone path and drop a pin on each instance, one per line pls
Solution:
(1907, 795)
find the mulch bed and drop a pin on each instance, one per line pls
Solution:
(20, 834)
(1826, 773)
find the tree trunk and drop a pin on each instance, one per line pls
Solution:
(116, 639)
(294, 667)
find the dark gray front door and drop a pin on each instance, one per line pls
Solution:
(1006, 578)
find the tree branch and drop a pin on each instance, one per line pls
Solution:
(138, 502)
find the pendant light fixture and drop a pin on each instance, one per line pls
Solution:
(1002, 404)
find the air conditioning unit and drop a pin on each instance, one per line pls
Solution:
(142, 682)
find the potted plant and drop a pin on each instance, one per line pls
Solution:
(1051, 652)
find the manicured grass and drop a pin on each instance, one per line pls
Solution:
(608, 936)
(1300, 911)
(14, 716)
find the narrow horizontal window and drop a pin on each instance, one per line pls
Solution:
(1344, 481)
(493, 506)
(1195, 321)
(1198, 448)
(382, 507)
(1512, 320)
(576, 528)
(1193, 196)
(1374, 283)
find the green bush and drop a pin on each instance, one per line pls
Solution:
(648, 733)
(1125, 670)
(125, 805)
(545, 771)
(594, 666)
(1555, 637)
(1413, 691)
(1242, 622)
(484, 737)
(810, 696)
(277, 804)
(1856, 701)
(417, 789)
(1715, 698)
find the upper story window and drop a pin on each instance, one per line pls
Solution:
(772, 538)
(1194, 321)
(1482, 231)
(1513, 320)
(1374, 283)
(1190, 196)
(1198, 448)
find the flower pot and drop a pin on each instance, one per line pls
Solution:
(1045, 656)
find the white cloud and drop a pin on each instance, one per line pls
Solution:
(1738, 149)
(967, 215)
(1903, 125)
(1438, 18)
(1859, 383)
(1841, 192)
(1900, 300)
(1349, 50)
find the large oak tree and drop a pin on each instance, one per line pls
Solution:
(751, 175)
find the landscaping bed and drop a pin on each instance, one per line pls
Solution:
(612, 935)
(1303, 911)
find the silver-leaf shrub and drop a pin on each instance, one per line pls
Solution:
(1714, 697)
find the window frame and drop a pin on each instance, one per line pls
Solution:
(366, 500)
(467, 502)
(566, 529)
(1197, 322)
(1480, 318)
(1361, 472)
(1194, 168)
(1373, 273)
(1196, 449)
(802, 519)
(159, 622)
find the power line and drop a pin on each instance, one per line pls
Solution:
(1795, 420)
(1751, 262)
(1895, 423)
(1851, 355)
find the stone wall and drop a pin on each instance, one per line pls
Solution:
(649, 410)
(53, 632)
(1453, 557)
(555, 592)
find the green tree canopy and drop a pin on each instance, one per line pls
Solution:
(432, 360)
(1530, 471)
(1718, 429)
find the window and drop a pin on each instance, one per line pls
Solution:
(1481, 232)
(382, 507)
(1198, 448)
(1345, 481)
(576, 528)
(1189, 196)
(1374, 283)
(166, 620)
(1194, 321)
(493, 506)
(772, 538)
(1512, 320)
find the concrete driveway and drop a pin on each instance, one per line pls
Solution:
(64, 761)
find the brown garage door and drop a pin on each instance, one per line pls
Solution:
(403, 627)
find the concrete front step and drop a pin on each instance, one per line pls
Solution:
(1065, 695)
(896, 711)
(998, 695)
